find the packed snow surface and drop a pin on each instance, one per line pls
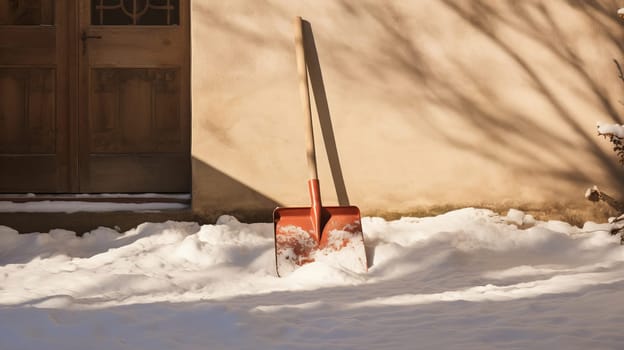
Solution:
(468, 279)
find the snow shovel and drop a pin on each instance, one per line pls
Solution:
(316, 233)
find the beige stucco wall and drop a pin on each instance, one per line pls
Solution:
(432, 102)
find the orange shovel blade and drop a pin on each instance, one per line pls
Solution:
(297, 243)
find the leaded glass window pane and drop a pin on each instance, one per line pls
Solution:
(135, 12)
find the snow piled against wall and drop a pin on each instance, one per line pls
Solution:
(467, 279)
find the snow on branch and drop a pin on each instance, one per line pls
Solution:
(615, 133)
(610, 129)
(595, 195)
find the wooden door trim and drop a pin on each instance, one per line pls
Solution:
(64, 86)
(74, 95)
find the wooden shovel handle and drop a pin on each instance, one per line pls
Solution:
(304, 95)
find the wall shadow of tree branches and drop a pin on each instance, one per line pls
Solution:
(500, 124)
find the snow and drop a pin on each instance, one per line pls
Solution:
(610, 129)
(468, 279)
(296, 246)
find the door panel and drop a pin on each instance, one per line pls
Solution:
(27, 12)
(27, 123)
(134, 77)
(135, 110)
(34, 152)
(120, 173)
(28, 45)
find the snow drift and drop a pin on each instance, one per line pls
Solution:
(468, 279)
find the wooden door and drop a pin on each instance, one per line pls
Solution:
(133, 95)
(34, 144)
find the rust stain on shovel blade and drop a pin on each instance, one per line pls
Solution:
(341, 240)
